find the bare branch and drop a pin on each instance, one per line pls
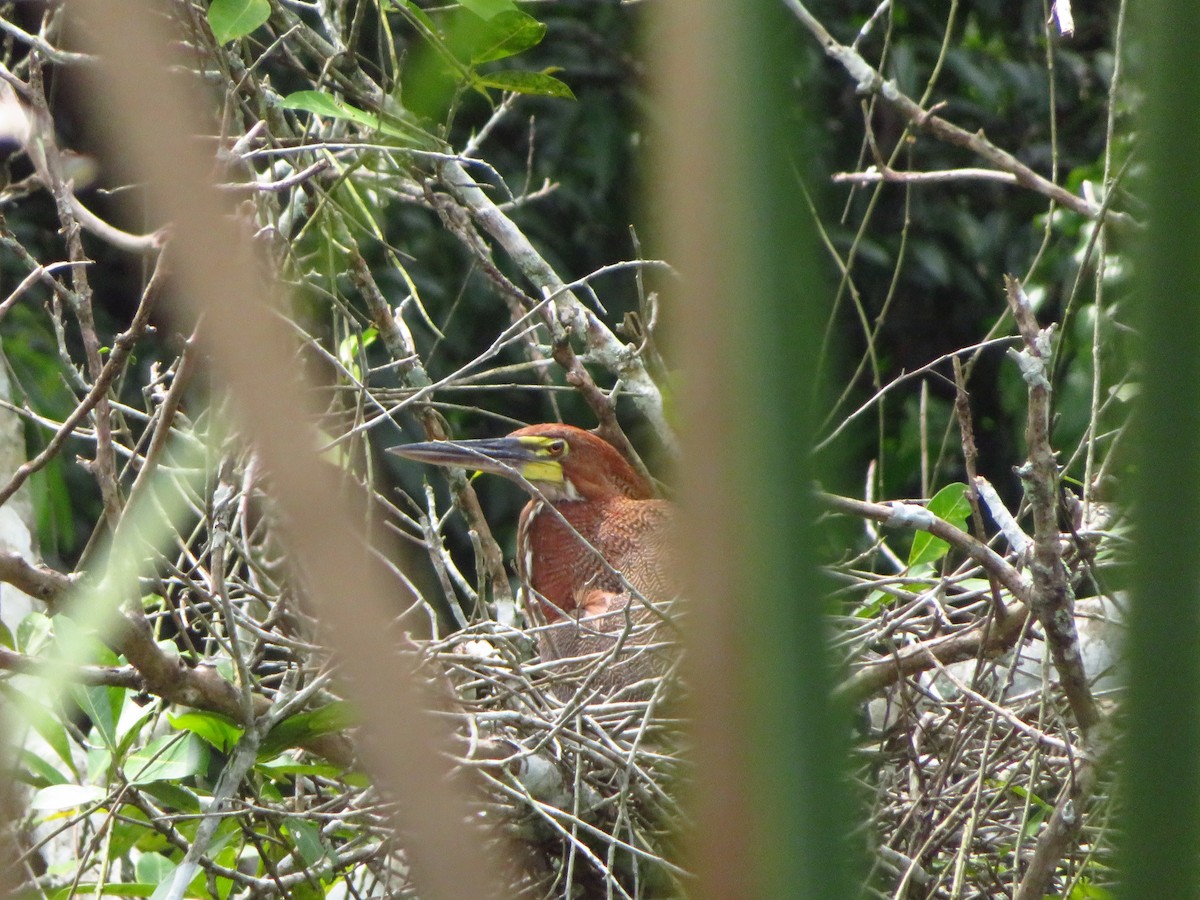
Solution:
(41, 582)
(1050, 598)
(869, 81)
(985, 637)
(602, 344)
(122, 347)
(1063, 827)
(876, 174)
(111, 676)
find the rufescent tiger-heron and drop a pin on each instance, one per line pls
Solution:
(592, 549)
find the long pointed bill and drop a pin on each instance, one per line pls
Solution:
(510, 457)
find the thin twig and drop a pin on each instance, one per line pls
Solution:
(603, 346)
(122, 347)
(986, 635)
(399, 343)
(877, 174)
(1063, 827)
(869, 81)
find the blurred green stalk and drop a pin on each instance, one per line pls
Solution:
(1161, 815)
(770, 799)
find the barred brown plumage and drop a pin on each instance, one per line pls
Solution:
(592, 549)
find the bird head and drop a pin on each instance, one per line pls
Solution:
(561, 461)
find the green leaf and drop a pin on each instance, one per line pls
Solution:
(38, 771)
(99, 762)
(508, 34)
(168, 758)
(58, 797)
(489, 9)
(323, 104)
(351, 345)
(52, 506)
(417, 13)
(153, 868)
(129, 729)
(284, 767)
(1085, 890)
(103, 707)
(166, 887)
(114, 889)
(951, 504)
(130, 829)
(81, 644)
(1126, 391)
(537, 83)
(233, 19)
(218, 730)
(42, 720)
(876, 601)
(34, 632)
(173, 797)
(307, 837)
(306, 725)
(1024, 793)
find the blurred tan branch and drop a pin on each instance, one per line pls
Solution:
(150, 117)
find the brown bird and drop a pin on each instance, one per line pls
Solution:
(592, 548)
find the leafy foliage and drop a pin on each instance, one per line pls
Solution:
(233, 19)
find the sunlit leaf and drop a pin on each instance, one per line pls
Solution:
(153, 868)
(34, 632)
(1085, 890)
(167, 758)
(66, 796)
(350, 346)
(216, 729)
(308, 840)
(508, 34)
(282, 767)
(80, 644)
(103, 707)
(233, 19)
(38, 771)
(323, 104)
(951, 504)
(537, 83)
(108, 889)
(488, 9)
(306, 725)
(173, 797)
(48, 725)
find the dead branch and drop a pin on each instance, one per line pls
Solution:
(1050, 597)
(869, 81)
